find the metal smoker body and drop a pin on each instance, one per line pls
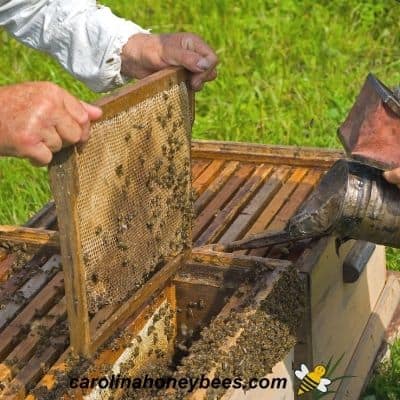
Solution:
(353, 201)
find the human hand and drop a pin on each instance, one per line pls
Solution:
(393, 176)
(38, 119)
(145, 54)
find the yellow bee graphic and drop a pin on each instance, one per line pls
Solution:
(312, 380)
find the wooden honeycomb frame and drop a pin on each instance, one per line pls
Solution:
(86, 334)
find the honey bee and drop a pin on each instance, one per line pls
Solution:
(312, 380)
(119, 170)
(169, 111)
(94, 278)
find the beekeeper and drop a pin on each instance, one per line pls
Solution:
(100, 49)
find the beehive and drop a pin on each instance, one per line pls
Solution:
(239, 189)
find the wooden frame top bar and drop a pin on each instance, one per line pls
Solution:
(134, 93)
(261, 153)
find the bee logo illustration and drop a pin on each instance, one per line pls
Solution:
(312, 380)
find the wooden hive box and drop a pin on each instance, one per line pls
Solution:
(305, 314)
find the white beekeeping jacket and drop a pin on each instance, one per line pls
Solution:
(84, 37)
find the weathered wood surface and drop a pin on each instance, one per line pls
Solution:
(30, 236)
(205, 255)
(64, 176)
(350, 304)
(363, 357)
(134, 93)
(258, 153)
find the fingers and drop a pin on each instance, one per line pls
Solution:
(177, 56)
(69, 130)
(207, 63)
(94, 114)
(40, 154)
(190, 51)
(204, 58)
(73, 125)
(212, 75)
(52, 139)
(145, 54)
(75, 109)
(197, 80)
(202, 68)
(209, 59)
(80, 112)
(40, 119)
(393, 176)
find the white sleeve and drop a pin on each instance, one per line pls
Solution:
(85, 38)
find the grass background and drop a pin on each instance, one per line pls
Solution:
(289, 72)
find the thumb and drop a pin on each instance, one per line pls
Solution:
(387, 175)
(392, 176)
(93, 111)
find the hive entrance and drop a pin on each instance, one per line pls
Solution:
(124, 200)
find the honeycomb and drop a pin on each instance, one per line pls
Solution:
(134, 203)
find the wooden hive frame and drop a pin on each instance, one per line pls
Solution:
(64, 177)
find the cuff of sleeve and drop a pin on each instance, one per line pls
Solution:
(110, 76)
(129, 30)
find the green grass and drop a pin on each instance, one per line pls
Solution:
(289, 72)
(386, 383)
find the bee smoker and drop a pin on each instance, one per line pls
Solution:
(353, 200)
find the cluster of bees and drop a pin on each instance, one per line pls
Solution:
(161, 326)
(74, 365)
(276, 322)
(21, 252)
